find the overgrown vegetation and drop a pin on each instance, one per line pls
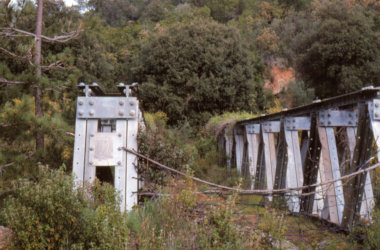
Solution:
(47, 212)
(201, 65)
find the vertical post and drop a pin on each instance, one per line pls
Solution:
(269, 157)
(294, 176)
(229, 145)
(90, 168)
(239, 147)
(253, 143)
(331, 171)
(260, 173)
(281, 168)
(311, 166)
(131, 159)
(79, 151)
(355, 187)
(122, 168)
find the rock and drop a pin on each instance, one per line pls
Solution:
(6, 237)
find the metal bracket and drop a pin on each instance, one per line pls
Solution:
(126, 89)
(252, 128)
(338, 118)
(297, 123)
(376, 109)
(271, 127)
(107, 107)
(103, 148)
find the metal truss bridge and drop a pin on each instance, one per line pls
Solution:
(307, 150)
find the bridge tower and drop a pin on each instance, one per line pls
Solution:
(105, 123)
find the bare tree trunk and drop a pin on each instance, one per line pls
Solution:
(37, 63)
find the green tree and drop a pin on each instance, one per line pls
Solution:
(30, 67)
(193, 70)
(343, 54)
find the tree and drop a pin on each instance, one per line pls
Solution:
(31, 68)
(193, 70)
(343, 54)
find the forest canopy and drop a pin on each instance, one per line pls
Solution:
(192, 59)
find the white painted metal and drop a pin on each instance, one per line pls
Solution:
(294, 175)
(90, 168)
(335, 171)
(102, 147)
(121, 166)
(229, 144)
(131, 160)
(79, 151)
(253, 142)
(270, 159)
(239, 150)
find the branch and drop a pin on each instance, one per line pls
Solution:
(4, 82)
(56, 65)
(27, 57)
(12, 163)
(14, 32)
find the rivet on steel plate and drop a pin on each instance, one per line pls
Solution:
(80, 112)
(132, 113)
(329, 122)
(376, 115)
(119, 134)
(119, 163)
(91, 149)
(350, 122)
(288, 127)
(91, 102)
(91, 112)
(90, 163)
(92, 135)
(132, 103)
(80, 102)
(376, 105)
(294, 127)
(121, 103)
(329, 115)
(121, 112)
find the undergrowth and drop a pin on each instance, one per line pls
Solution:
(48, 213)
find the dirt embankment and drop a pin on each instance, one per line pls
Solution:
(280, 77)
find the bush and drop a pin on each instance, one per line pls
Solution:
(193, 70)
(167, 146)
(342, 54)
(47, 212)
(296, 94)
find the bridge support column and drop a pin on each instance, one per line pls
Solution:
(239, 148)
(359, 189)
(268, 130)
(253, 143)
(294, 171)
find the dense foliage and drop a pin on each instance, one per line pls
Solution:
(342, 55)
(191, 71)
(47, 212)
(193, 59)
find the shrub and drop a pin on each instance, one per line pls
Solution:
(167, 146)
(47, 212)
(193, 70)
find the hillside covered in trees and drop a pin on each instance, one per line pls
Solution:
(193, 60)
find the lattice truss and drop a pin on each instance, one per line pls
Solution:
(313, 144)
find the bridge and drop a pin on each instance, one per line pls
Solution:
(317, 157)
(307, 152)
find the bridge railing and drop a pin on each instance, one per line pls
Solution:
(313, 144)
